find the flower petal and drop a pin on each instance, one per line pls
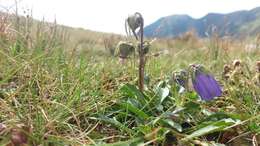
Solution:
(215, 87)
(206, 86)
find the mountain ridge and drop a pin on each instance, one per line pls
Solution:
(238, 23)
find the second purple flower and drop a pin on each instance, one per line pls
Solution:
(204, 83)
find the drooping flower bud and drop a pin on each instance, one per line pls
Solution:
(124, 49)
(146, 47)
(204, 83)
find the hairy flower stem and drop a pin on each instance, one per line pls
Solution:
(141, 58)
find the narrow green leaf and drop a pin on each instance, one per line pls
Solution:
(130, 107)
(114, 122)
(163, 93)
(172, 124)
(212, 127)
(132, 91)
(131, 142)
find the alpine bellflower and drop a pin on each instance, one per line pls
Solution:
(181, 78)
(204, 83)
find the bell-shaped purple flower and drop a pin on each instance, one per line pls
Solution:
(181, 78)
(205, 84)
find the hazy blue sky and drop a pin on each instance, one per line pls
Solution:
(109, 15)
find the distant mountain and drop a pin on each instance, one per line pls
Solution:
(239, 23)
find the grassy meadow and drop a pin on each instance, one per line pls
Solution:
(63, 86)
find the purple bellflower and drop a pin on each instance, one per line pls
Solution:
(204, 83)
(181, 78)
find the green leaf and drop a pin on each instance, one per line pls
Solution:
(220, 115)
(162, 91)
(211, 127)
(133, 109)
(144, 129)
(172, 124)
(167, 123)
(132, 91)
(192, 107)
(131, 142)
(114, 122)
(192, 95)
